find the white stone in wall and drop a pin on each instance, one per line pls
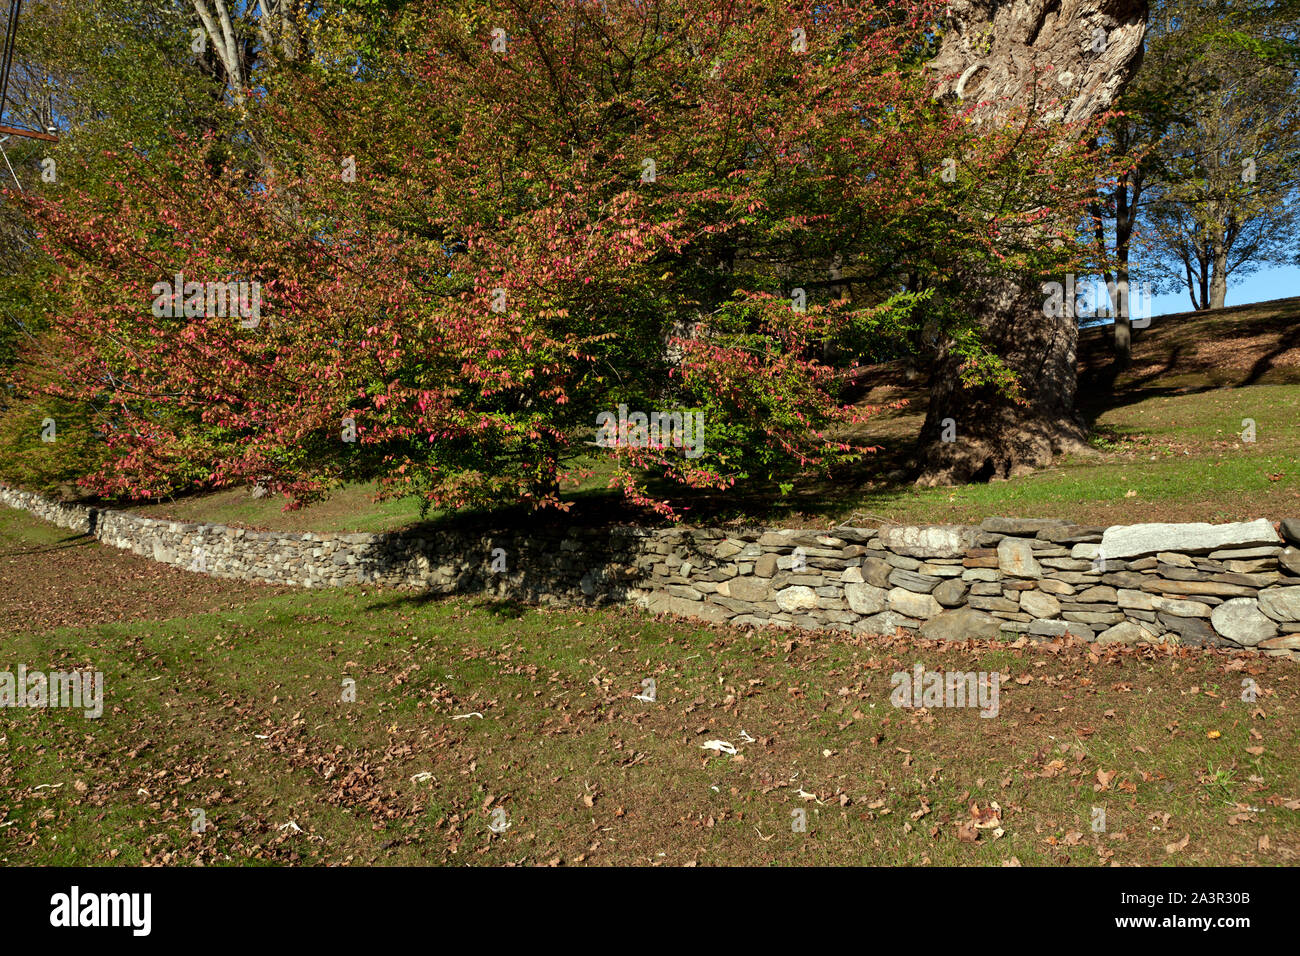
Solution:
(938, 541)
(1130, 541)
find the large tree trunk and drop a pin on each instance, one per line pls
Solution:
(994, 54)
(1219, 280)
(1126, 204)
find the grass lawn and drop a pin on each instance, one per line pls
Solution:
(226, 697)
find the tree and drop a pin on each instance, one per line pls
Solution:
(1028, 61)
(551, 210)
(1227, 198)
(1159, 97)
(105, 74)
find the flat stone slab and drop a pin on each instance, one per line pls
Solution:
(1020, 526)
(1130, 541)
(960, 625)
(935, 541)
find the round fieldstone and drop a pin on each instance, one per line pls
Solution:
(865, 598)
(1281, 604)
(951, 592)
(1241, 620)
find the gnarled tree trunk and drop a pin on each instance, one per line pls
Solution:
(994, 54)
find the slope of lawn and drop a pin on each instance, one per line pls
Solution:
(465, 708)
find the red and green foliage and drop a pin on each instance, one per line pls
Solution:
(528, 169)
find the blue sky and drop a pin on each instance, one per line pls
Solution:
(1261, 286)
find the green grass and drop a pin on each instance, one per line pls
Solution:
(187, 698)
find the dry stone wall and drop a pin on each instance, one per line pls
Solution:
(1230, 585)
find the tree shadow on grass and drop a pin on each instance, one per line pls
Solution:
(505, 608)
(1289, 340)
(74, 541)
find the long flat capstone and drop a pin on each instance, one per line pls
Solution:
(1127, 541)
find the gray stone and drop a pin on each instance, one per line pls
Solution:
(1291, 530)
(1193, 631)
(746, 589)
(1290, 560)
(1066, 564)
(1093, 617)
(1124, 541)
(1053, 586)
(963, 624)
(876, 571)
(885, 623)
(902, 561)
(1039, 605)
(1125, 579)
(1210, 588)
(676, 590)
(851, 576)
(1251, 565)
(1241, 620)
(1174, 559)
(683, 608)
(980, 574)
(1290, 642)
(1180, 608)
(1281, 604)
(1022, 526)
(1243, 553)
(912, 604)
(865, 598)
(949, 541)
(1261, 580)
(1125, 632)
(1141, 600)
(1072, 534)
(950, 593)
(1075, 577)
(1081, 631)
(913, 581)
(992, 603)
(1016, 558)
(855, 535)
(1085, 552)
(1171, 573)
(765, 566)
(940, 570)
(728, 548)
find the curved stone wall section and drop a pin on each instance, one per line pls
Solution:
(1231, 585)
